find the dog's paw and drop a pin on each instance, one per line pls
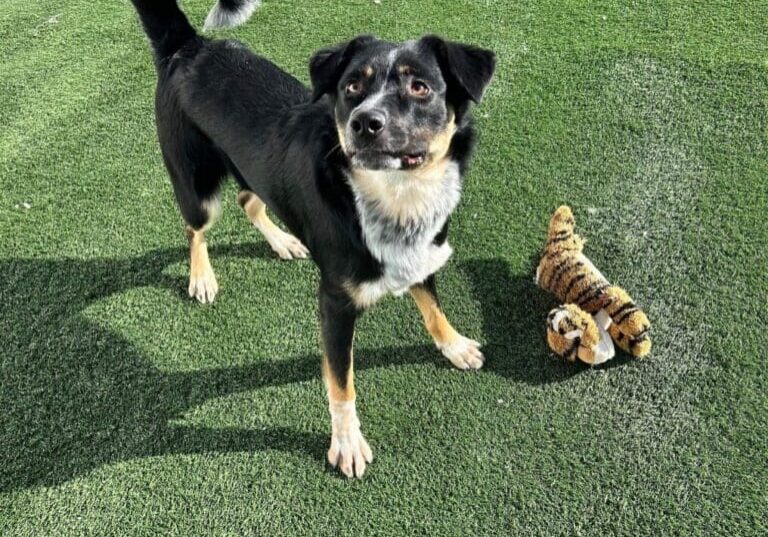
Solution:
(464, 353)
(203, 286)
(350, 452)
(285, 245)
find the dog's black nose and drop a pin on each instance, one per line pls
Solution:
(368, 123)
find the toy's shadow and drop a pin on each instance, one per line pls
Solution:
(76, 396)
(513, 311)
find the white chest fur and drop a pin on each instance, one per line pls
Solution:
(401, 212)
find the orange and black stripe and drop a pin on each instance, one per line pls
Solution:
(623, 312)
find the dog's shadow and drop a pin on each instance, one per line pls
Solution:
(513, 313)
(76, 396)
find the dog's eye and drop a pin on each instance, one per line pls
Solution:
(353, 87)
(418, 89)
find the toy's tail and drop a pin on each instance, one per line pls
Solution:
(229, 13)
(562, 223)
(165, 25)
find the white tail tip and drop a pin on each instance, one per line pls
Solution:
(222, 17)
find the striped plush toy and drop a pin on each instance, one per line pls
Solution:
(595, 313)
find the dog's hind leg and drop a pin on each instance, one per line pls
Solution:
(199, 216)
(202, 280)
(284, 244)
(197, 170)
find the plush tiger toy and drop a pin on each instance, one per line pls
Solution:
(595, 312)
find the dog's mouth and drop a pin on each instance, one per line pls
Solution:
(392, 160)
(409, 160)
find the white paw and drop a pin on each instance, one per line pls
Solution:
(286, 245)
(203, 286)
(349, 452)
(464, 353)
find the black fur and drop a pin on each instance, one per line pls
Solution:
(222, 110)
(466, 68)
(165, 25)
(337, 323)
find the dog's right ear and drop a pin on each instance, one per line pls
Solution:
(328, 64)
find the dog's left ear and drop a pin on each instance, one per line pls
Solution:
(467, 69)
(327, 65)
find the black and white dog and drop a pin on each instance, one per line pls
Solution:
(364, 170)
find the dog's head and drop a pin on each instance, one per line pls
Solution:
(397, 105)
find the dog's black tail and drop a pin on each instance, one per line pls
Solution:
(166, 26)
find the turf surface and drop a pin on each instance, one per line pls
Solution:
(125, 408)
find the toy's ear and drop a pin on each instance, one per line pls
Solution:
(467, 69)
(327, 65)
(562, 222)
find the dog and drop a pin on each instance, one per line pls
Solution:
(364, 169)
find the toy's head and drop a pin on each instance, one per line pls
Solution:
(573, 333)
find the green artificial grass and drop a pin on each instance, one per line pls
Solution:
(128, 409)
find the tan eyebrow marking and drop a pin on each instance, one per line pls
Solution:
(405, 70)
(367, 71)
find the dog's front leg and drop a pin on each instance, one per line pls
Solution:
(349, 451)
